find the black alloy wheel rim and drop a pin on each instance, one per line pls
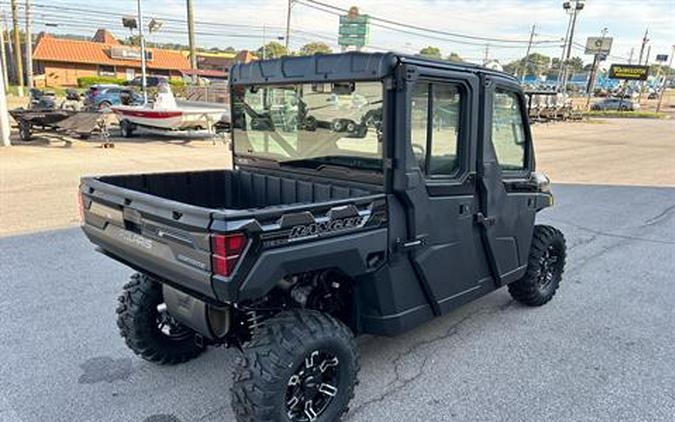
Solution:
(548, 267)
(312, 387)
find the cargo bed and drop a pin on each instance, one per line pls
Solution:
(161, 223)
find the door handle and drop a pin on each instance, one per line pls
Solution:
(485, 221)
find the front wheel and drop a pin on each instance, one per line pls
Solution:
(300, 366)
(544, 268)
(149, 331)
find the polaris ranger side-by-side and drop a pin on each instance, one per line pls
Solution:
(370, 193)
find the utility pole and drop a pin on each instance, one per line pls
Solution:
(17, 49)
(4, 120)
(191, 35)
(665, 79)
(486, 59)
(3, 54)
(630, 58)
(288, 23)
(645, 40)
(644, 43)
(140, 35)
(527, 55)
(564, 50)
(29, 48)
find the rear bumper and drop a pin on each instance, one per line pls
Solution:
(150, 256)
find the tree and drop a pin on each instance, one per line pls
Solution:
(454, 57)
(223, 50)
(431, 52)
(316, 47)
(272, 50)
(535, 64)
(575, 65)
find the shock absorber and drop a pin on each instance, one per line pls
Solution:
(253, 321)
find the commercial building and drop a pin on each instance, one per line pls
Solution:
(63, 61)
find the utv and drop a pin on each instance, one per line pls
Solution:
(370, 193)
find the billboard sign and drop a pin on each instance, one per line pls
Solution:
(598, 45)
(662, 58)
(354, 29)
(629, 72)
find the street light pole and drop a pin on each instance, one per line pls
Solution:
(578, 6)
(143, 64)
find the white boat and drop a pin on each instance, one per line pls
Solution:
(166, 113)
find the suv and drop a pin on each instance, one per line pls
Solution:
(405, 188)
(101, 97)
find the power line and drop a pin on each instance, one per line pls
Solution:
(430, 30)
(409, 32)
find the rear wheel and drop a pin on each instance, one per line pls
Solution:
(544, 269)
(300, 366)
(127, 128)
(149, 331)
(25, 132)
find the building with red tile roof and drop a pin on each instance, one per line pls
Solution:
(63, 61)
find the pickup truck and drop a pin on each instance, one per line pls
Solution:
(370, 193)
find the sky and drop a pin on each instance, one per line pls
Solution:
(246, 24)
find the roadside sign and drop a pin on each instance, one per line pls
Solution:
(661, 57)
(354, 29)
(598, 45)
(630, 72)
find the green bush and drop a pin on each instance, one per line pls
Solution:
(176, 83)
(87, 81)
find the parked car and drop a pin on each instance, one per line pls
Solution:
(615, 104)
(373, 229)
(101, 97)
(150, 81)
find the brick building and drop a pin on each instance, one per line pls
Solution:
(62, 61)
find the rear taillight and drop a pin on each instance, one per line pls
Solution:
(225, 252)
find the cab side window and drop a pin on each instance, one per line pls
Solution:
(434, 126)
(508, 131)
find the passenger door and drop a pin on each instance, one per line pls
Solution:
(505, 161)
(448, 256)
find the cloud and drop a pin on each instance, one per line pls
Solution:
(626, 21)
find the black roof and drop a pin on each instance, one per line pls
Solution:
(343, 66)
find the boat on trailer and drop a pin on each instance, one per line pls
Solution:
(167, 114)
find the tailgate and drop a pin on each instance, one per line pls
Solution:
(151, 234)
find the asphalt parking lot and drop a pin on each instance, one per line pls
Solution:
(602, 350)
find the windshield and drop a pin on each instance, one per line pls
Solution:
(310, 125)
